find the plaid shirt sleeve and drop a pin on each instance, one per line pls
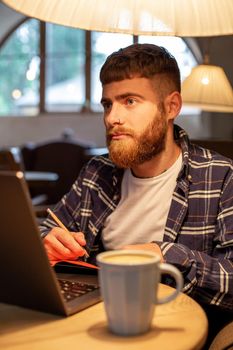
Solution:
(91, 199)
(67, 209)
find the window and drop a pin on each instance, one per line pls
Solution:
(65, 67)
(19, 71)
(52, 68)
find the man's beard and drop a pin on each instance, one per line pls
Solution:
(137, 149)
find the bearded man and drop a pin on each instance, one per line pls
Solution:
(154, 190)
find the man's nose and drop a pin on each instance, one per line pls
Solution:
(114, 116)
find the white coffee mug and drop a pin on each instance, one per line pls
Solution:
(129, 281)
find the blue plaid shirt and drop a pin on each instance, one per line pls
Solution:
(198, 237)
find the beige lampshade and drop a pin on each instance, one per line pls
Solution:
(145, 17)
(208, 88)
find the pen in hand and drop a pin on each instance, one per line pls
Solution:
(55, 218)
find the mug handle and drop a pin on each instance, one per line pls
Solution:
(175, 273)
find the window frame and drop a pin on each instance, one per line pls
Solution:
(190, 42)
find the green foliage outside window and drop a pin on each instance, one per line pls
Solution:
(64, 52)
(16, 56)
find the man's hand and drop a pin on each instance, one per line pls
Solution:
(147, 246)
(63, 245)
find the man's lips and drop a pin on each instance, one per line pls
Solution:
(118, 136)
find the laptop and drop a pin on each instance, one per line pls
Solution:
(26, 277)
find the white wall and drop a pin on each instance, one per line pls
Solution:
(15, 131)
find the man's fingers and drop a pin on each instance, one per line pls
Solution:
(68, 240)
(52, 243)
(63, 245)
(79, 237)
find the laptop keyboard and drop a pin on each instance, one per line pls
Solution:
(71, 290)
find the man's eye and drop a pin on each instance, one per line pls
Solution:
(107, 106)
(130, 101)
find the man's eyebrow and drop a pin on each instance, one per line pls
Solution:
(121, 97)
(105, 100)
(128, 94)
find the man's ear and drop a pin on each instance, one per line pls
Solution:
(173, 104)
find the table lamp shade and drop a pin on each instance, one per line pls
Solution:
(145, 17)
(208, 88)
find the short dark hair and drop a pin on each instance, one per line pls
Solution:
(141, 60)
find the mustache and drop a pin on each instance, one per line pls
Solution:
(119, 130)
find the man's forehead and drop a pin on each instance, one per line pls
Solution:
(138, 86)
(136, 83)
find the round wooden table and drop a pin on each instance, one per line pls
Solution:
(178, 325)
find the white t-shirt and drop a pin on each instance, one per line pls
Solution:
(141, 214)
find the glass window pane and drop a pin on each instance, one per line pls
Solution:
(65, 68)
(19, 71)
(103, 44)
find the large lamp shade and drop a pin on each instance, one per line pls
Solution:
(182, 18)
(208, 88)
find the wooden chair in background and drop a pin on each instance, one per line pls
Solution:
(63, 157)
